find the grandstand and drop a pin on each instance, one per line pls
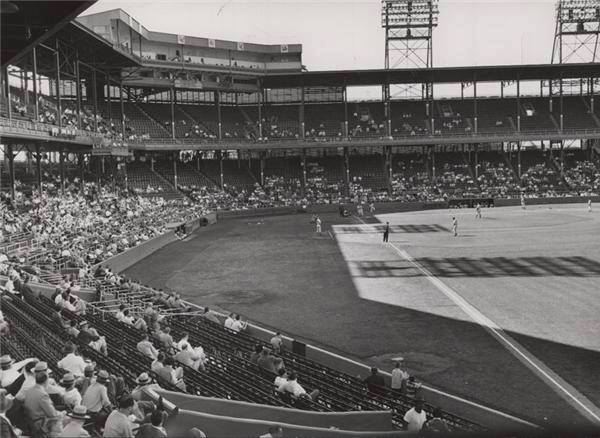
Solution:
(126, 152)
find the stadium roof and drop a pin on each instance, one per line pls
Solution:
(492, 73)
(26, 23)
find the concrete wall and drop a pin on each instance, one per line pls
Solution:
(357, 421)
(215, 425)
(124, 260)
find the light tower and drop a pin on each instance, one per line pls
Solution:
(577, 31)
(408, 28)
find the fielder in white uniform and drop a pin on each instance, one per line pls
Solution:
(589, 205)
(455, 226)
(318, 222)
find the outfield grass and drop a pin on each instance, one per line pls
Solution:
(354, 296)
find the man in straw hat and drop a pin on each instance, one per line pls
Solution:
(9, 370)
(71, 397)
(96, 399)
(74, 428)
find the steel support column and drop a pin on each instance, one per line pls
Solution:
(221, 179)
(58, 105)
(38, 168)
(95, 97)
(347, 169)
(78, 88)
(301, 114)
(172, 99)
(62, 170)
(8, 149)
(36, 106)
(475, 106)
(260, 124)
(218, 103)
(7, 93)
(175, 156)
(123, 132)
(303, 164)
(345, 98)
(518, 105)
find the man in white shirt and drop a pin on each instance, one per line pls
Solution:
(237, 325)
(415, 417)
(295, 389)
(147, 348)
(72, 363)
(71, 397)
(277, 342)
(398, 376)
(229, 321)
(9, 370)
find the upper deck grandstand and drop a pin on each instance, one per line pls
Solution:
(118, 140)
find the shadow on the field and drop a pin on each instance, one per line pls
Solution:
(449, 267)
(378, 228)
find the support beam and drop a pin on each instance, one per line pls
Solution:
(519, 160)
(81, 162)
(7, 93)
(303, 165)
(475, 107)
(262, 168)
(62, 170)
(38, 168)
(108, 99)
(221, 179)
(36, 105)
(518, 105)
(387, 151)
(301, 115)
(123, 131)
(57, 73)
(8, 149)
(347, 170)
(260, 124)
(218, 104)
(95, 97)
(175, 157)
(172, 99)
(78, 88)
(345, 98)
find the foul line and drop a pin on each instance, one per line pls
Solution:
(559, 385)
(552, 379)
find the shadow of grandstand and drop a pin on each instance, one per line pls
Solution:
(378, 228)
(448, 267)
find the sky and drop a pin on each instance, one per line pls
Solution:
(338, 34)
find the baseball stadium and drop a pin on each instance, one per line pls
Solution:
(206, 237)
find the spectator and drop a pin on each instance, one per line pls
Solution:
(437, 425)
(237, 325)
(280, 379)
(41, 415)
(27, 380)
(144, 382)
(188, 357)
(158, 364)
(210, 315)
(415, 417)
(266, 361)
(399, 377)
(155, 428)
(74, 428)
(146, 347)
(72, 362)
(9, 370)
(274, 432)
(229, 321)
(170, 374)
(96, 400)
(295, 389)
(375, 382)
(7, 430)
(256, 354)
(277, 342)
(71, 397)
(118, 424)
